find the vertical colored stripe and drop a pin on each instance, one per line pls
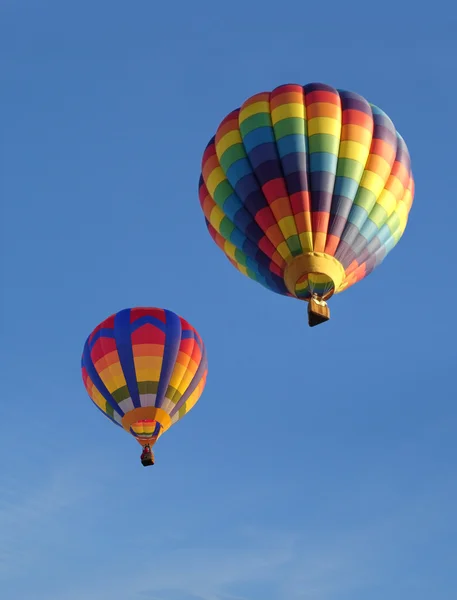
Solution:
(92, 372)
(193, 384)
(124, 349)
(170, 353)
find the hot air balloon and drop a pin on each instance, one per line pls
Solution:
(144, 368)
(306, 189)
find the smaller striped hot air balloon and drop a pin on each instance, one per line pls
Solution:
(144, 368)
(306, 189)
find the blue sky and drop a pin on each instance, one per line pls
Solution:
(319, 464)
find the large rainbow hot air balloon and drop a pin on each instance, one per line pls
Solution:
(144, 368)
(306, 189)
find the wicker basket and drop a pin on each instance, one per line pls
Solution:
(318, 312)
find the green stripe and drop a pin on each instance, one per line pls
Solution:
(254, 122)
(226, 228)
(109, 410)
(290, 126)
(173, 394)
(347, 167)
(148, 387)
(365, 199)
(240, 257)
(293, 242)
(231, 155)
(324, 142)
(222, 192)
(378, 215)
(121, 394)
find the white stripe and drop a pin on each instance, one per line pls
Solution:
(148, 399)
(167, 405)
(117, 418)
(126, 405)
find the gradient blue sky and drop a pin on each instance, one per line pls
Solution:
(319, 464)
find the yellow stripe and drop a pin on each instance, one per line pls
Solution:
(396, 188)
(242, 269)
(214, 179)
(402, 211)
(178, 373)
(185, 382)
(306, 241)
(372, 182)
(388, 202)
(98, 399)
(113, 377)
(193, 398)
(215, 218)
(148, 365)
(230, 249)
(287, 226)
(355, 151)
(253, 109)
(227, 141)
(286, 111)
(324, 125)
(284, 250)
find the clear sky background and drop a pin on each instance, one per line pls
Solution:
(319, 464)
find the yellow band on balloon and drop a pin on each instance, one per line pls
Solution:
(146, 412)
(314, 262)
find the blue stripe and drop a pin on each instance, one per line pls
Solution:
(193, 384)
(384, 234)
(125, 351)
(390, 244)
(253, 265)
(323, 161)
(291, 144)
(238, 238)
(237, 170)
(357, 216)
(256, 137)
(147, 319)
(369, 229)
(170, 353)
(232, 204)
(345, 186)
(106, 333)
(95, 377)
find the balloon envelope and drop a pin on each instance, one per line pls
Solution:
(306, 189)
(144, 368)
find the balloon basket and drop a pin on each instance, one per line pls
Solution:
(147, 460)
(318, 312)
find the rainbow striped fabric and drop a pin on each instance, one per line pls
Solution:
(144, 368)
(306, 169)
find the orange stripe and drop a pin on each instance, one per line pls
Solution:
(323, 109)
(286, 98)
(153, 350)
(357, 117)
(262, 97)
(281, 208)
(209, 166)
(356, 133)
(384, 149)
